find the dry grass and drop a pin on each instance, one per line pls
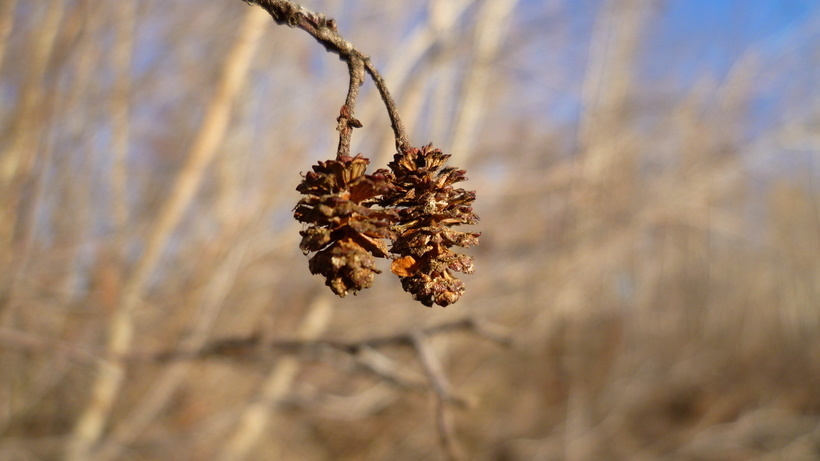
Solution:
(658, 262)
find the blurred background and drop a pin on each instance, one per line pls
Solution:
(646, 174)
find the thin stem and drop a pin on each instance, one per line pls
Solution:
(402, 141)
(286, 12)
(346, 121)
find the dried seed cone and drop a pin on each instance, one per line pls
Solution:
(428, 207)
(343, 231)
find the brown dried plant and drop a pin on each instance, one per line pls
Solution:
(429, 206)
(345, 234)
(349, 214)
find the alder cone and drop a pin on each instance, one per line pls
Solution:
(343, 232)
(428, 206)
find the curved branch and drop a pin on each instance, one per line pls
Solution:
(286, 12)
(402, 141)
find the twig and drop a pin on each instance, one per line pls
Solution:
(324, 30)
(434, 370)
(121, 123)
(402, 141)
(388, 369)
(346, 121)
(398, 68)
(491, 331)
(343, 407)
(243, 346)
(443, 392)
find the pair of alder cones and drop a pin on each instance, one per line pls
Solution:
(351, 216)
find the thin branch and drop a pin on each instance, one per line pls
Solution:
(7, 10)
(343, 407)
(120, 109)
(443, 391)
(237, 347)
(247, 346)
(415, 46)
(346, 121)
(388, 369)
(324, 30)
(434, 370)
(362, 351)
(371, 361)
(491, 331)
(402, 141)
(21, 160)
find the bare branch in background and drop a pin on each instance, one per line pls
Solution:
(7, 10)
(121, 118)
(256, 416)
(653, 219)
(19, 160)
(111, 372)
(255, 344)
(279, 382)
(491, 30)
(209, 307)
(443, 392)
